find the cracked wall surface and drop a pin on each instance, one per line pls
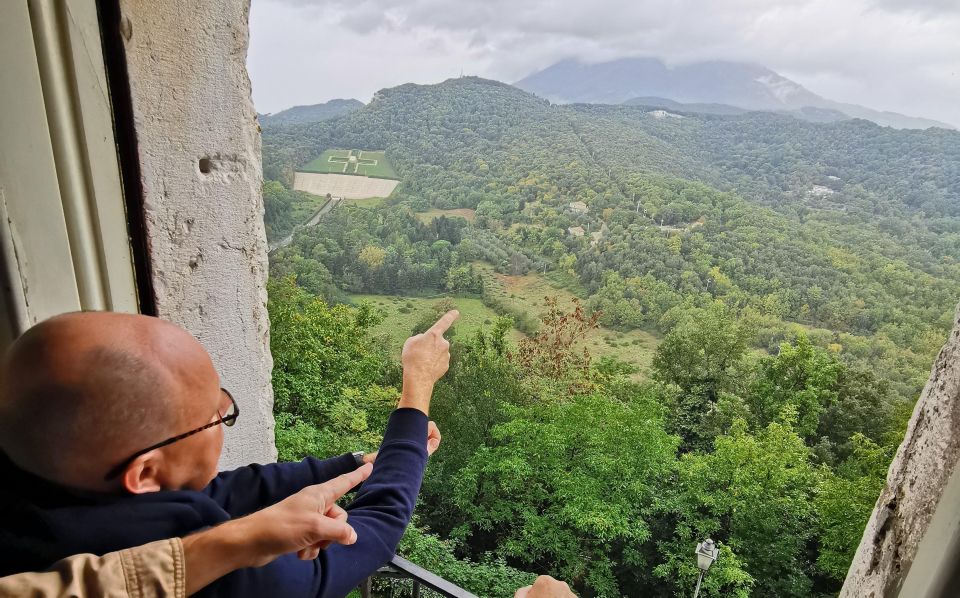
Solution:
(916, 480)
(199, 150)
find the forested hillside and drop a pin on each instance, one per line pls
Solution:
(798, 279)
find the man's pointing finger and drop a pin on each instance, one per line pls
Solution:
(445, 322)
(340, 485)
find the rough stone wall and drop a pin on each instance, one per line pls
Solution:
(199, 149)
(917, 478)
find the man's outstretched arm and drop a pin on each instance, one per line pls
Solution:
(425, 358)
(384, 505)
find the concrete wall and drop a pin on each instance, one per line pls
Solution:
(199, 150)
(917, 481)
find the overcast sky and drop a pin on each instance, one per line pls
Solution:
(900, 55)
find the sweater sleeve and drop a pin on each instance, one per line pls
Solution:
(248, 489)
(383, 506)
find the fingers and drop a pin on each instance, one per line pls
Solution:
(327, 530)
(445, 322)
(336, 512)
(546, 587)
(340, 485)
(433, 437)
(332, 531)
(309, 553)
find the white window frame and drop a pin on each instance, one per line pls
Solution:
(64, 242)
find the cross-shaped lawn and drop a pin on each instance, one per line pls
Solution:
(356, 161)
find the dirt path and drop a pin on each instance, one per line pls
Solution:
(323, 211)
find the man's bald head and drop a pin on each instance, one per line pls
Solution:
(81, 392)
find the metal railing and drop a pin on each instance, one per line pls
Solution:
(422, 582)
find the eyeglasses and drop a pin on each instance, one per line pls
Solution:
(228, 419)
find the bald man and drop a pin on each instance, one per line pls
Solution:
(111, 426)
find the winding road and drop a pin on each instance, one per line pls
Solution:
(323, 211)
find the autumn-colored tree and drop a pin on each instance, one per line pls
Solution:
(372, 257)
(557, 351)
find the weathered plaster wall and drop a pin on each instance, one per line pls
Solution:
(917, 478)
(199, 148)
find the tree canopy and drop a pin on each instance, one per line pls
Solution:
(797, 279)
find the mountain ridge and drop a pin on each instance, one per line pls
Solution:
(807, 113)
(312, 112)
(496, 115)
(742, 85)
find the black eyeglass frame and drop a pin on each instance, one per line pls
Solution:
(228, 421)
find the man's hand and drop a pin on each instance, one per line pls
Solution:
(433, 443)
(425, 358)
(545, 587)
(305, 523)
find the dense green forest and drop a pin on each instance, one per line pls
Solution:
(799, 276)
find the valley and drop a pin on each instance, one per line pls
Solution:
(671, 327)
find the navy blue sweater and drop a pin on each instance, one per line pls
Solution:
(41, 523)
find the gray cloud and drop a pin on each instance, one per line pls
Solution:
(931, 7)
(901, 55)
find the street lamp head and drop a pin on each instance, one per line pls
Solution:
(707, 552)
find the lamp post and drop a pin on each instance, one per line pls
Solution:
(706, 552)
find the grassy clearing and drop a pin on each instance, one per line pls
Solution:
(401, 314)
(466, 213)
(527, 293)
(523, 293)
(360, 162)
(369, 202)
(306, 206)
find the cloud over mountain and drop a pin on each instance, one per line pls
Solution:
(890, 54)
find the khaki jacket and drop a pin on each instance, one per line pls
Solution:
(150, 571)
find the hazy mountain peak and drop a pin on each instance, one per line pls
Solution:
(782, 88)
(743, 85)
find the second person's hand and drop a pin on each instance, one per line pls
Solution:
(305, 522)
(545, 587)
(433, 443)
